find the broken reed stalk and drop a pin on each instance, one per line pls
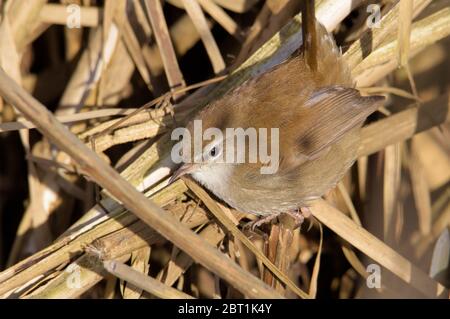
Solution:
(105, 176)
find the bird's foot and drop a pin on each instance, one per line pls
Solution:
(261, 221)
(299, 216)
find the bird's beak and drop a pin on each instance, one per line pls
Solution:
(182, 170)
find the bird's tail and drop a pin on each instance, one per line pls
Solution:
(320, 50)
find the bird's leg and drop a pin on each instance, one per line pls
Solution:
(299, 215)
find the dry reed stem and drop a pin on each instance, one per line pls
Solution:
(162, 36)
(53, 13)
(238, 6)
(110, 246)
(404, 125)
(129, 239)
(72, 118)
(372, 38)
(184, 36)
(108, 178)
(267, 23)
(139, 263)
(425, 32)
(89, 269)
(376, 249)
(24, 17)
(195, 12)
(176, 267)
(222, 17)
(88, 71)
(153, 286)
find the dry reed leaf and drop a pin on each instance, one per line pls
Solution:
(348, 202)
(109, 12)
(278, 251)
(353, 260)
(195, 12)
(316, 268)
(421, 191)
(403, 125)
(117, 76)
(136, 236)
(9, 56)
(361, 166)
(391, 189)
(132, 42)
(404, 34)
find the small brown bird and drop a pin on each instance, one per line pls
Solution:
(319, 115)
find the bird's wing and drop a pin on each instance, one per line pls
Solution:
(327, 115)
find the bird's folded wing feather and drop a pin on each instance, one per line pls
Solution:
(327, 115)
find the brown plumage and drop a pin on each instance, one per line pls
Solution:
(319, 116)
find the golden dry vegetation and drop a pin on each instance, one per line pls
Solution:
(72, 227)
